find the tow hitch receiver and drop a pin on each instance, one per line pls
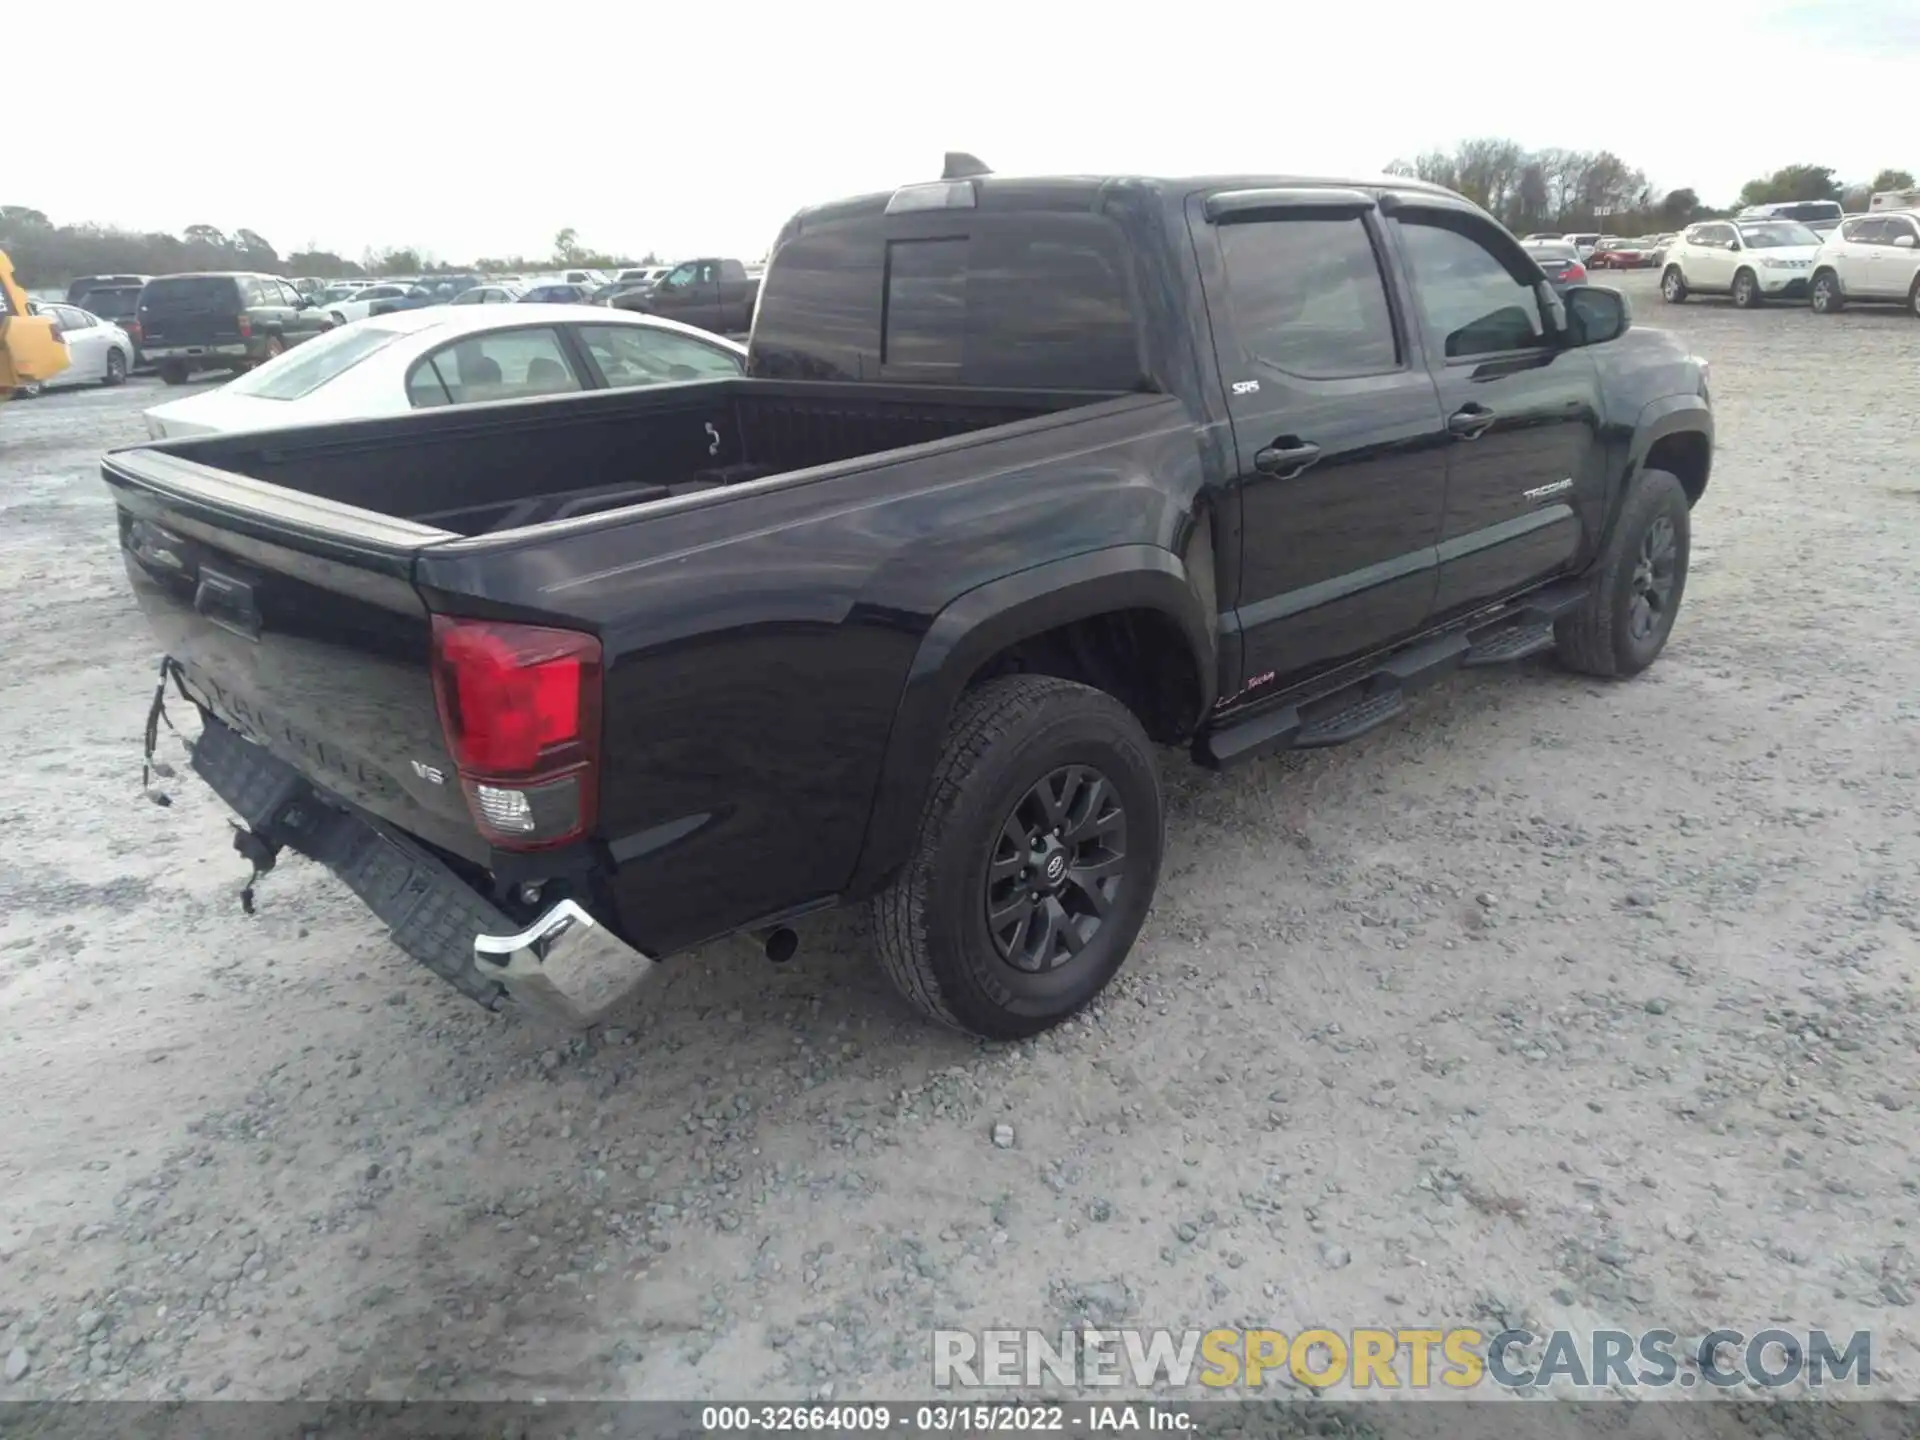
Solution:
(567, 967)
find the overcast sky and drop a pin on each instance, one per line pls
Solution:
(699, 128)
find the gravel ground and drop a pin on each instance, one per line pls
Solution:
(1559, 1001)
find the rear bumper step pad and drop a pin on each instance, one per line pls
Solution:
(434, 916)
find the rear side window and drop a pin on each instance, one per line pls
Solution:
(184, 293)
(1020, 299)
(504, 365)
(1307, 296)
(114, 304)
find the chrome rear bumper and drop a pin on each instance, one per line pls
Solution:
(565, 966)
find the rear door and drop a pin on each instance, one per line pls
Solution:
(191, 312)
(1714, 258)
(87, 343)
(1523, 410)
(1341, 453)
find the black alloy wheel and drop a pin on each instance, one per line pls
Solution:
(1655, 571)
(1057, 869)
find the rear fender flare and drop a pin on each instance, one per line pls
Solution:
(978, 625)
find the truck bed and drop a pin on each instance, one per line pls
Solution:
(484, 469)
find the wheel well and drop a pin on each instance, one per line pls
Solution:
(1140, 657)
(1687, 455)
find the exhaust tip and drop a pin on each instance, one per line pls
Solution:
(781, 944)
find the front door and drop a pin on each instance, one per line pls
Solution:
(1522, 407)
(1340, 448)
(1720, 257)
(1896, 259)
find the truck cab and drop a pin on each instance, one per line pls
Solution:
(32, 351)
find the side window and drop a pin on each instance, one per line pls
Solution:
(1872, 232)
(1900, 226)
(681, 275)
(506, 365)
(640, 355)
(1472, 304)
(70, 318)
(1307, 297)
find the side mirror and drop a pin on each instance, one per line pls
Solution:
(1595, 315)
(1905, 242)
(1733, 244)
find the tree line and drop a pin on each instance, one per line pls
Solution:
(1529, 190)
(1575, 190)
(45, 254)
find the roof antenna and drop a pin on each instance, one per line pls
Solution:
(962, 166)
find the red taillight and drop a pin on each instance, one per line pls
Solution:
(520, 705)
(133, 331)
(1575, 273)
(246, 327)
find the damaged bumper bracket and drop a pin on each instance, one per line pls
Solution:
(566, 966)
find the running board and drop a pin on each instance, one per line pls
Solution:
(1334, 710)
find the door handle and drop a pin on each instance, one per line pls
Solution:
(1470, 422)
(1286, 457)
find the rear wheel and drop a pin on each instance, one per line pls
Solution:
(1673, 286)
(275, 347)
(1825, 296)
(116, 369)
(173, 373)
(1637, 586)
(1038, 853)
(29, 391)
(1913, 297)
(1746, 291)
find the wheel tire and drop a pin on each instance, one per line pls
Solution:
(116, 369)
(1746, 290)
(30, 391)
(173, 374)
(1007, 738)
(1825, 296)
(1673, 286)
(1599, 638)
(1913, 297)
(275, 348)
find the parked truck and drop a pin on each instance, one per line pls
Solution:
(716, 295)
(1026, 482)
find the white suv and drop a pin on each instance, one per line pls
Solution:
(1751, 260)
(1871, 259)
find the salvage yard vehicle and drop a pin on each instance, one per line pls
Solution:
(1025, 477)
(1869, 260)
(466, 355)
(99, 352)
(715, 294)
(221, 320)
(32, 351)
(1751, 261)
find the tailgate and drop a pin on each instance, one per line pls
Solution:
(296, 621)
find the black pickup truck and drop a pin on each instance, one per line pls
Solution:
(716, 295)
(1026, 478)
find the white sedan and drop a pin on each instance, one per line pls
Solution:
(452, 355)
(100, 352)
(345, 309)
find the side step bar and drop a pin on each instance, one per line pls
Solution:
(1333, 710)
